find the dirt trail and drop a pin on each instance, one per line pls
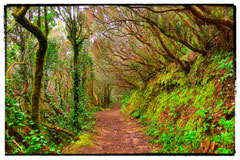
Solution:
(118, 134)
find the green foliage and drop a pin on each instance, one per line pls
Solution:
(15, 116)
(36, 141)
(225, 138)
(114, 100)
(225, 63)
(224, 151)
(124, 100)
(227, 124)
(142, 118)
(191, 137)
(136, 114)
(202, 113)
(167, 141)
(52, 55)
(178, 109)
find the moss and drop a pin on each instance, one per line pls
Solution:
(19, 16)
(85, 140)
(175, 103)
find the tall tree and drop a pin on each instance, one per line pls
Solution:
(77, 32)
(19, 15)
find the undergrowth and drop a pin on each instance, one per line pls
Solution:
(189, 113)
(43, 140)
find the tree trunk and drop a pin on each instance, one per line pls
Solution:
(92, 88)
(19, 16)
(76, 87)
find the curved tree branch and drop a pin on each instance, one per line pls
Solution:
(19, 15)
(198, 14)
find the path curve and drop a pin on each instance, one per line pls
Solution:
(118, 134)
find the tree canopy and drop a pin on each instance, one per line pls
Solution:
(65, 63)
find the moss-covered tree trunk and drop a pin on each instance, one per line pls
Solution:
(76, 34)
(24, 74)
(92, 87)
(19, 15)
(76, 85)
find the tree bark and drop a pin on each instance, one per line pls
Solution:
(76, 86)
(217, 22)
(19, 16)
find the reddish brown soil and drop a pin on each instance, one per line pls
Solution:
(118, 134)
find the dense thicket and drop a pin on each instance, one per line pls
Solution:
(172, 64)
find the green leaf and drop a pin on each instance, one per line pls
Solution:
(20, 124)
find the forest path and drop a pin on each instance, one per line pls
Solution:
(118, 133)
